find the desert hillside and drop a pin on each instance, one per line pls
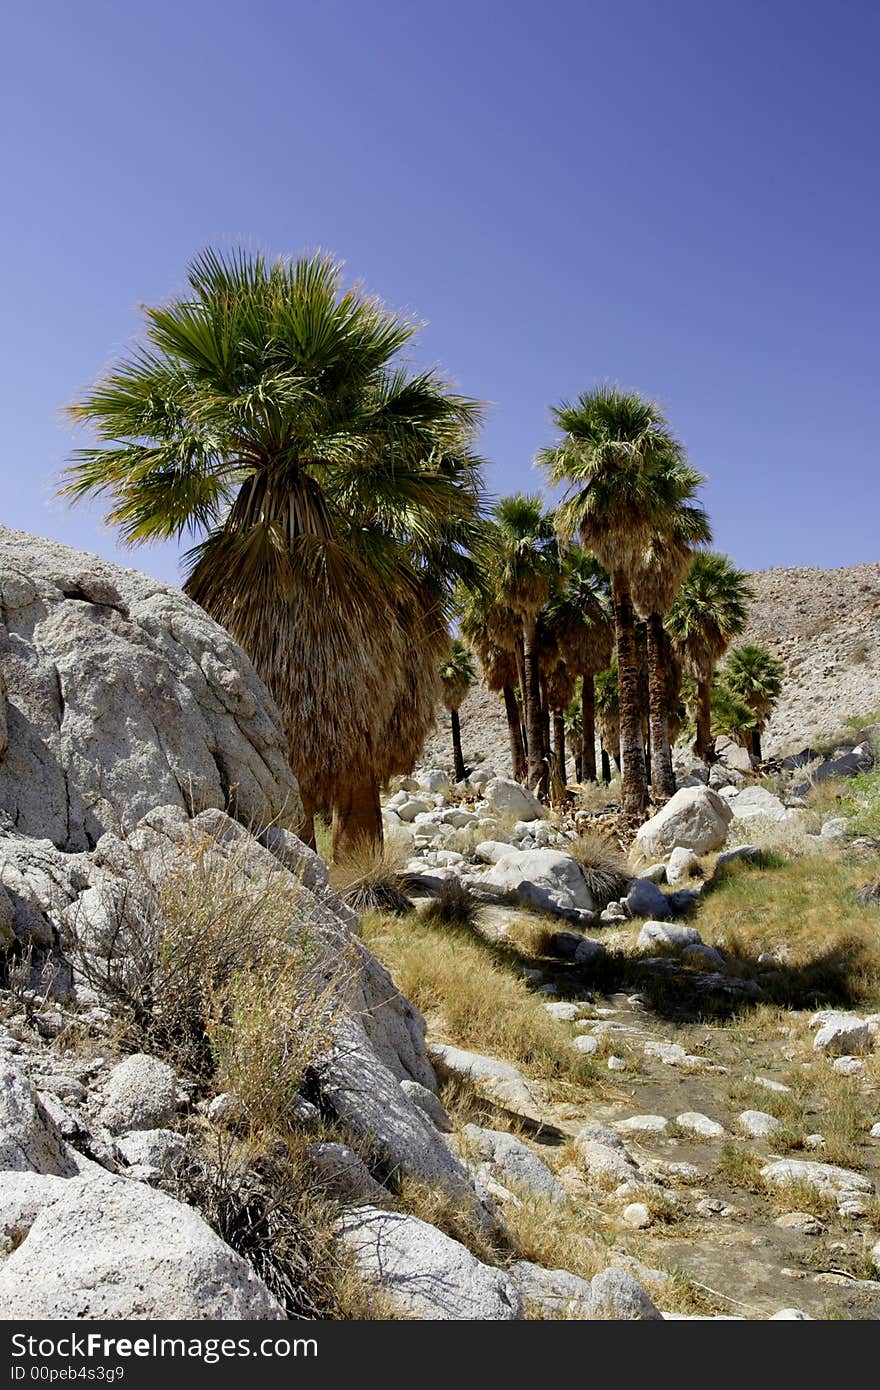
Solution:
(824, 624)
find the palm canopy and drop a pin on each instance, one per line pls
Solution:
(524, 552)
(710, 609)
(333, 494)
(617, 458)
(578, 612)
(662, 564)
(457, 673)
(754, 675)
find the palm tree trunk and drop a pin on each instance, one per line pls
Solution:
(703, 741)
(357, 816)
(606, 765)
(559, 742)
(662, 774)
(532, 699)
(306, 830)
(578, 767)
(632, 748)
(588, 725)
(521, 675)
(756, 744)
(514, 729)
(457, 758)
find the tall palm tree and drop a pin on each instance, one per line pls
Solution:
(457, 675)
(525, 556)
(578, 611)
(332, 492)
(608, 717)
(755, 675)
(491, 629)
(616, 458)
(710, 609)
(655, 583)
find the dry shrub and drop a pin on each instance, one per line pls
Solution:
(454, 906)
(266, 1203)
(219, 969)
(596, 796)
(603, 866)
(371, 876)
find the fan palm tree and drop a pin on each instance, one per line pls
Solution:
(524, 560)
(616, 459)
(755, 675)
(578, 611)
(710, 609)
(608, 717)
(333, 495)
(457, 675)
(655, 582)
(491, 629)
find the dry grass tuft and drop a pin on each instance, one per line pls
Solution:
(371, 876)
(603, 867)
(453, 906)
(263, 1199)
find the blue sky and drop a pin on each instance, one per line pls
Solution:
(680, 197)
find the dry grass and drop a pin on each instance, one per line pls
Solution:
(454, 906)
(595, 796)
(806, 914)
(823, 800)
(475, 987)
(217, 967)
(603, 866)
(371, 876)
(263, 1199)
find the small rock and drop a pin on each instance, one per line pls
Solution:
(693, 1122)
(429, 1104)
(616, 1063)
(847, 1066)
(617, 1296)
(141, 1094)
(758, 1124)
(588, 1044)
(645, 899)
(802, 1221)
(564, 1011)
(642, 1124)
(842, 1035)
(637, 1216)
(668, 936)
(682, 864)
(827, 1177)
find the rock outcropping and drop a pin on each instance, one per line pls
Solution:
(119, 694)
(137, 733)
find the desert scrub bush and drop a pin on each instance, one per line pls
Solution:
(371, 876)
(218, 968)
(476, 988)
(602, 865)
(596, 796)
(265, 1201)
(454, 906)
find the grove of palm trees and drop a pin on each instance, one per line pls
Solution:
(342, 534)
